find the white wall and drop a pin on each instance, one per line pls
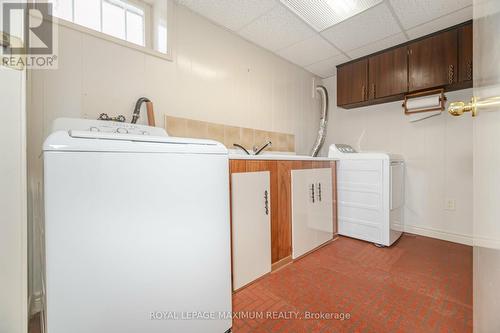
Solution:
(215, 76)
(438, 152)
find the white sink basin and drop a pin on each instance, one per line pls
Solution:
(240, 155)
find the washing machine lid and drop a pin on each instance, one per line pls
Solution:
(92, 141)
(336, 151)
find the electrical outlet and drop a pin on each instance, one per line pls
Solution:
(450, 204)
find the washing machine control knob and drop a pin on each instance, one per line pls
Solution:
(122, 130)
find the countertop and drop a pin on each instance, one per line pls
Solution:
(277, 156)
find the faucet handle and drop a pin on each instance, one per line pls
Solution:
(104, 116)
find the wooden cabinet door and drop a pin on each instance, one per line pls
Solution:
(465, 48)
(388, 73)
(352, 82)
(251, 226)
(312, 213)
(281, 228)
(433, 61)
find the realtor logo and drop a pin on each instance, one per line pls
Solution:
(34, 22)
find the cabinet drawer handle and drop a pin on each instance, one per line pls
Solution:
(451, 74)
(312, 194)
(266, 202)
(319, 192)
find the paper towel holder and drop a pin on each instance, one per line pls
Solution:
(437, 107)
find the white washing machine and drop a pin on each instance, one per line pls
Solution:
(137, 230)
(371, 187)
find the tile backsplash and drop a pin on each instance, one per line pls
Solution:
(228, 135)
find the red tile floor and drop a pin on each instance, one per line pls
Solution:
(419, 284)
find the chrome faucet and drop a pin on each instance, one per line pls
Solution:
(257, 150)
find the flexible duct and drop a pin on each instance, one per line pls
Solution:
(323, 121)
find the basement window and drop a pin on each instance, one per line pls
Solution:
(140, 22)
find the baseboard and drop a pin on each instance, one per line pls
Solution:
(280, 264)
(486, 242)
(251, 282)
(439, 234)
(315, 249)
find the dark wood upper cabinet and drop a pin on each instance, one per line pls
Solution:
(465, 53)
(352, 84)
(440, 60)
(433, 61)
(388, 73)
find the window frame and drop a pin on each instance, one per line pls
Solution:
(148, 35)
(146, 11)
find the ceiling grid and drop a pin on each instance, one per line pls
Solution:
(320, 34)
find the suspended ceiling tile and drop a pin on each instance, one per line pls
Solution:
(378, 46)
(414, 12)
(327, 68)
(277, 29)
(373, 24)
(231, 14)
(309, 51)
(441, 23)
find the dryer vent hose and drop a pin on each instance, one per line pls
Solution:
(323, 121)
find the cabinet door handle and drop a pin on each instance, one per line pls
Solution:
(319, 192)
(451, 74)
(363, 92)
(373, 90)
(266, 202)
(312, 194)
(469, 70)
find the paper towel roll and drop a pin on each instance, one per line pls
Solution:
(427, 102)
(423, 115)
(422, 103)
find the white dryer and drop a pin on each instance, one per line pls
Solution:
(371, 188)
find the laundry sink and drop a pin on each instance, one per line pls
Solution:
(283, 156)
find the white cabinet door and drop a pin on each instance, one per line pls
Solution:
(312, 209)
(321, 214)
(251, 226)
(302, 200)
